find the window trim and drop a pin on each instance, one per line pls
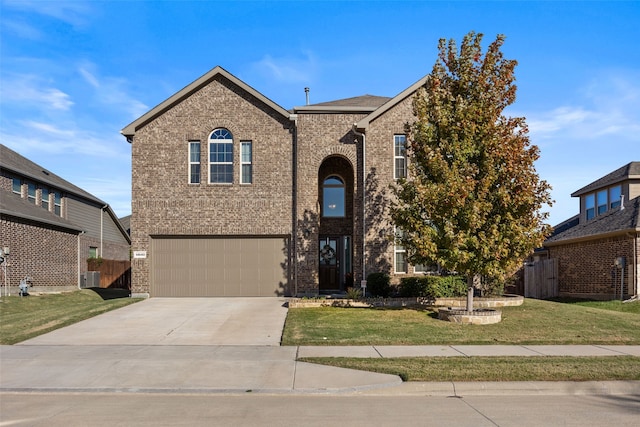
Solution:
(57, 204)
(396, 157)
(615, 203)
(225, 138)
(44, 198)
(243, 162)
(397, 250)
(32, 198)
(342, 186)
(13, 184)
(192, 163)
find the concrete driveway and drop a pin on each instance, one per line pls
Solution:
(179, 321)
(175, 344)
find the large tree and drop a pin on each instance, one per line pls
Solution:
(472, 199)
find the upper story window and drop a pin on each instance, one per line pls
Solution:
(221, 157)
(194, 162)
(333, 197)
(45, 198)
(31, 193)
(246, 162)
(602, 201)
(17, 186)
(57, 203)
(399, 156)
(615, 196)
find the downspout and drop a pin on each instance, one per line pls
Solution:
(102, 228)
(364, 199)
(294, 201)
(79, 265)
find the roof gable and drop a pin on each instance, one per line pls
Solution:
(626, 172)
(185, 92)
(364, 123)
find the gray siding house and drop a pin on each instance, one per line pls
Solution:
(52, 227)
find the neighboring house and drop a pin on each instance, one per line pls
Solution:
(52, 227)
(125, 221)
(597, 250)
(232, 195)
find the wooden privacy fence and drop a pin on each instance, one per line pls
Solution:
(541, 279)
(113, 274)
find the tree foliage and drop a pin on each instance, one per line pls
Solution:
(472, 199)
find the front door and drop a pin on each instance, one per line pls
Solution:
(330, 259)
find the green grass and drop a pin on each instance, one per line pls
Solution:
(22, 318)
(535, 322)
(496, 368)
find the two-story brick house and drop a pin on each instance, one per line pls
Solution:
(597, 251)
(235, 196)
(51, 227)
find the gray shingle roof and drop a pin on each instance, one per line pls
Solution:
(367, 101)
(628, 171)
(615, 221)
(13, 205)
(14, 162)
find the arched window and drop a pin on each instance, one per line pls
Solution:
(333, 197)
(220, 157)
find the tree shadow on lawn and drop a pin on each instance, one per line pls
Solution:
(110, 293)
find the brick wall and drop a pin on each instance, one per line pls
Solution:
(164, 203)
(320, 139)
(48, 256)
(586, 269)
(380, 164)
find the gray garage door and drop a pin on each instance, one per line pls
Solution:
(210, 267)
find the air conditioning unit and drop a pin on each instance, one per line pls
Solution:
(90, 279)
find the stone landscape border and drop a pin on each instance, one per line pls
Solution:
(507, 300)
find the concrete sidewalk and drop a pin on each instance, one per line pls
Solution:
(387, 351)
(265, 369)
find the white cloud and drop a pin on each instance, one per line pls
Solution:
(72, 12)
(111, 91)
(289, 69)
(32, 91)
(609, 107)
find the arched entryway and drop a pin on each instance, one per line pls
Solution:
(335, 190)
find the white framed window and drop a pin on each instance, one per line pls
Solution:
(17, 186)
(601, 200)
(399, 156)
(44, 198)
(590, 206)
(57, 203)
(31, 193)
(399, 253)
(333, 197)
(615, 195)
(194, 162)
(93, 252)
(220, 157)
(246, 162)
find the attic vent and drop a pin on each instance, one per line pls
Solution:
(45, 172)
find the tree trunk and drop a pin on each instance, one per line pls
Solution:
(472, 282)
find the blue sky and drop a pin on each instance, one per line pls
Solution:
(73, 74)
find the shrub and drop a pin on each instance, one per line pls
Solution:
(432, 287)
(354, 293)
(378, 285)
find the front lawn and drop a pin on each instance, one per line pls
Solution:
(535, 322)
(608, 368)
(22, 318)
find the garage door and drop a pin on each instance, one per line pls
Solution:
(210, 267)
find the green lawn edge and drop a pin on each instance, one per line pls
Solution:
(477, 369)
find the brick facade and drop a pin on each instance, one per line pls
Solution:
(50, 259)
(294, 152)
(165, 204)
(586, 269)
